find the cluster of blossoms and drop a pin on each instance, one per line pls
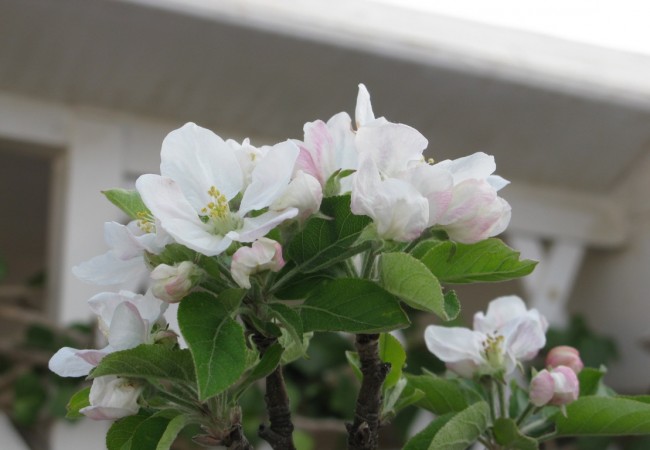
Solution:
(506, 335)
(221, 199)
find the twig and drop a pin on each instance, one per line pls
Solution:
(363, 433)
(280, 432)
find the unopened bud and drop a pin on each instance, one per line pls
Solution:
(172, 283)
(565, 356)
(559, 386)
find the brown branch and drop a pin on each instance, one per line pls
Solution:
(363, 433)
(236, 439)
(280, 432)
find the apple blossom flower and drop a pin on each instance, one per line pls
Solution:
(201, 180)
(172, 283)
(475, 212)
(559, 386)
(264, 254)
(124, 262)
(507, 334)
(126, 320)
(564, 355)
(327, 149)
(303, 193)
(393, 185)
(112, 397)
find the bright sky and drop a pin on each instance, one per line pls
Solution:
(616, 24)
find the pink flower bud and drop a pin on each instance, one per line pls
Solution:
(558, 387)
(565, 356)
(172, 283)
(567, 386)
(541, 388)
(264, 254)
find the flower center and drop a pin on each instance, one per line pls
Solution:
(146, 222)
(217, 213)
(493, 351)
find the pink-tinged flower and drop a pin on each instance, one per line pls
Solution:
(112, 398)
(172, 283)
(126, 320)
(264, 254)
(393, 184)
(564, 355)
(201, 184)
(476, 212)
(559, 386)
(328, 148)
(303, 193)
(124, 262)
(507, 334)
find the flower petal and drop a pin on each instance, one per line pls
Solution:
(455, 344)
(107, 269)
(256, 227)
(166, 201)
(67, 363)
(500, 311)
(270, 177)
(197, 159)
(393, 147)
(363, 112)
(127, 330)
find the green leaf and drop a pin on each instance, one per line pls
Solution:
(462, 429)
(488, 260)
(422, 440)
(422, 248)
(352, 305)
(294, 350)
(391, 351)
(413, 282)
(174, 427)
(216, 341)
(604, 416)
(591, 381)
(289, 319)
(324, 242)
(129, 201)
(78, 401)
(148, 361)
(264, 367)
(452, 304)
(441, 395)
(172, 254)
(141, 432)
(507, 434)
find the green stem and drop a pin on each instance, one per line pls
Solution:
(531, 426)
(286, 278)
(524, 415)
(502, 400)
(368, 264)
(490, 397)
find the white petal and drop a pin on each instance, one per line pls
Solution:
(524, 337)
(106, 269)
(499, 311)
(112, 398)
(270, 177)
(435, 185)
(66, 363)
(166, 201)
(149, 307)
(256, 227)
(127, 327)
(477, 166)
(197, 159)
(392, 146)
(396, 207)
(105, 303)
(454, 344)
(363, 111)
(304, 192)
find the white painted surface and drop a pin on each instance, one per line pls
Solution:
(11, 440)
(86, 434)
